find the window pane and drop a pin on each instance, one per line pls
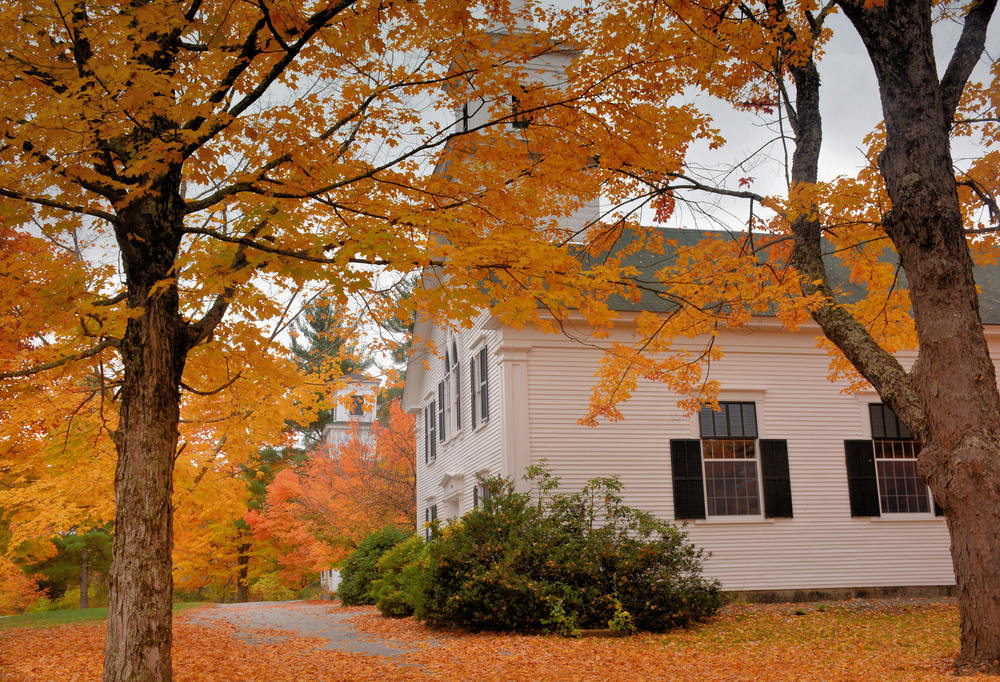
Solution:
(728, 449)
(732, 488)
(901, 488)
(896, 449)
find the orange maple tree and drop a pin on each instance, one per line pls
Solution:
(343, 493)
(214, 160)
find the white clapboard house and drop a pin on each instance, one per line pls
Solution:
(794, 486)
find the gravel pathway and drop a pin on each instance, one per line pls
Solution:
(253, 620)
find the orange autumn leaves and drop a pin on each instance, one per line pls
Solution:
(758, 643)
(317, 515)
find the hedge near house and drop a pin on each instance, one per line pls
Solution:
(361, 567)
(561, 563)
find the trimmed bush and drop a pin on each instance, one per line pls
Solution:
(399, 590)
(562, 563)
(361, 567)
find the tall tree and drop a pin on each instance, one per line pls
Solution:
(221, 155)
(342, 495)
(78, 554)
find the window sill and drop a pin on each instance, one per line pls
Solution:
(905, 518)
(726, 520)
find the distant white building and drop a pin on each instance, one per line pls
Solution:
(355, 403)
(330, 580)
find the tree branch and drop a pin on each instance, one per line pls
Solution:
(301, 255)
(42, 201)
(243, 62)
(106, 343)
(212, 392)
(966, 56)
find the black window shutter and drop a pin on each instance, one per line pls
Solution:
(776, 479)
(472, 390)
(441, 411)
(433, 432)
(862, 480)
(938, 509)
(475, 497)
(689, 491)
(458, 397)
(484, 383)
(427, 438)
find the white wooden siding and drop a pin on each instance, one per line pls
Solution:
(822, 547)
(468, 451)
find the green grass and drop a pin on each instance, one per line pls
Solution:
(48, 619)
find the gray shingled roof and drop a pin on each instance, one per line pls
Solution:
(987, 277)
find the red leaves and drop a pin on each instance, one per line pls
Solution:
(760, 643)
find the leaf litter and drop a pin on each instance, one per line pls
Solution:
(759, 643)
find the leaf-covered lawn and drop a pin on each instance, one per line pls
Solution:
(54, 618)
(753, 643)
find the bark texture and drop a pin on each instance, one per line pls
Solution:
(84, 579)
(243, 575)
(949, 399)
(153, 352)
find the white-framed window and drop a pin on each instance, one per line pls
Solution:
(730, 460)
(730, 471)
(357, 406)
(882, 474)
(901, 488)
(450, 393)
(480, 494)
(430, 514)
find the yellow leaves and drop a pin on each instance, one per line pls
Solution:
(752, 642)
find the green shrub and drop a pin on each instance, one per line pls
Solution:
(40, 606)
(562, 563)
(268, 587)
(361, 567)
(70, 599)
(399, 590)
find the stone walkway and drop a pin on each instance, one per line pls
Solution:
(306, 620)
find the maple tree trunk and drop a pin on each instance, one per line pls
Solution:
(84, 579)
(243, 561)
(955, 411)
(153, 352)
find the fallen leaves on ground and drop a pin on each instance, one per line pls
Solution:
(752, 643)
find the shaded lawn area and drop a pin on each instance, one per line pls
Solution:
(752, 643)
(48, 619)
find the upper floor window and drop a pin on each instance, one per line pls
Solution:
(450, 393)
(357, 406)
(430, 429)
